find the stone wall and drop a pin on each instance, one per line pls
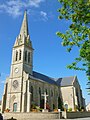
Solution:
(48, 115)
(72, 115)
(31, 116)
(68, 96)
(44, 86)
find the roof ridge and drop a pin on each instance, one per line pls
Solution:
(44, 77)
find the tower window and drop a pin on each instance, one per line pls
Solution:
(29, 57)
(16, 55)
(25, 55)
(20, 52)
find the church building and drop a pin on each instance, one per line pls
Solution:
(24, 87)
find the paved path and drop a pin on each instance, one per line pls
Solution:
(64, 119)
(80, 119)
(74, 119)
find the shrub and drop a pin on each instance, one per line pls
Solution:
(70, 109)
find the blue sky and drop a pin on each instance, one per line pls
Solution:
(50, 58)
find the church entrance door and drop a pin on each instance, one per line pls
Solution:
(14, 107)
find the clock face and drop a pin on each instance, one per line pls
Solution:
(16, 70)
(15, 84)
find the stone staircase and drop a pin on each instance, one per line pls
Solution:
(31, 116)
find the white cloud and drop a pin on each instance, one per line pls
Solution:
(35, 3)
(14, 7)
(44, 15)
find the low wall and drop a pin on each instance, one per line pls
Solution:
(32, 116)
(71, 115)
(48, 115)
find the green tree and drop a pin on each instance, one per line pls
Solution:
(78, 33)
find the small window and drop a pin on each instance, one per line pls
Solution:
(29, 57)
(20, 55)
(16, 55)
(25, 55)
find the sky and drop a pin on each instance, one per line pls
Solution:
(49, 58)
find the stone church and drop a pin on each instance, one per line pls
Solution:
(24, 87)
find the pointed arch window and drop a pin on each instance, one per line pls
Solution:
(16, 55)
(31, 93)
(46, 91)
(20, 53)
(39, 91)
(29, 57)
(51, 93)
(25, 55)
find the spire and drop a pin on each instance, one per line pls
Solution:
(24, 27)
(24, 37)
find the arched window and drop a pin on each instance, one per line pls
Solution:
(31, 93)
(39, 91)
(40, 96)
(46, 91)
(25, 55)
(20, 53)
(29, 57)
(16, 55)
(51, 93)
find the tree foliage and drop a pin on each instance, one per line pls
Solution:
(78, 33)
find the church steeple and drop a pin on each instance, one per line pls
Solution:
(24, 27)
(23, 50)
(24, 37)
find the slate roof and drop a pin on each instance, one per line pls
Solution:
(43, 78)
(66, 81)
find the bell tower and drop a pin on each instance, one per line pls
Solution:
(15, 91)
(22, 54)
